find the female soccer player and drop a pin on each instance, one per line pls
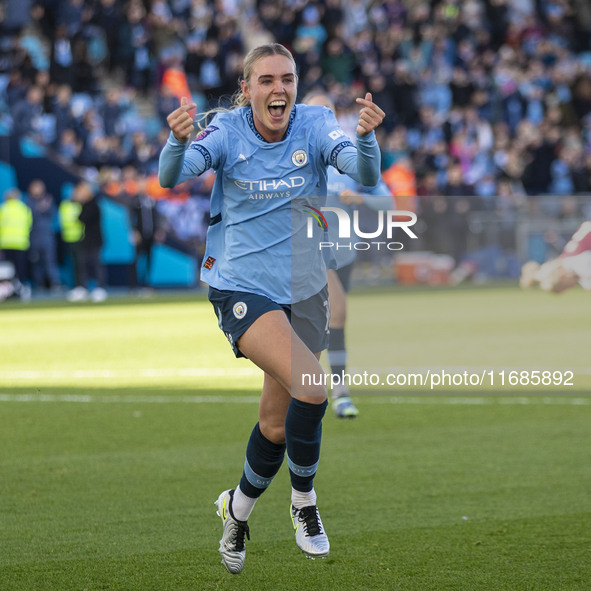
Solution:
(267, 278)
(344, 193)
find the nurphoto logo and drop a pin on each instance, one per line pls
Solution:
(349, 229)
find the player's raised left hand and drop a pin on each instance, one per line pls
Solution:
(181, 121)
(370, 116)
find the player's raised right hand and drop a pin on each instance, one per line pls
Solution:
(180, 120)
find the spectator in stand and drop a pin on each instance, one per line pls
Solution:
(400, 179)
(311, 31)
(147, 230)
(163, 26)
(43, 251)
(70, 15)
(405, 93)
(22, 60)
(86, 242)
(88, 130)
(110, 112)
(461, 203)
(85, 75)
(16, 89)
(143, 154)
(339, 62)
(110, 19)
(61, 109)
(71, 229)
(27, 114)
(134, 47)
(61, 69)
(68, 146)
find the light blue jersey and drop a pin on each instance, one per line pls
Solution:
(257, 241)
(378, 198)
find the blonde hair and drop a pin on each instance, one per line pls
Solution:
(252, 57)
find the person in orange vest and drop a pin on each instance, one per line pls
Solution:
(401, 180)
(16, 220)
(175, 79)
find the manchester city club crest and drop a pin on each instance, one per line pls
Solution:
(239, 310)
(299, 157)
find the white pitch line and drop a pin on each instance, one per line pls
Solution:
(92, 374)
(482, 400)
(159, 399)
(423, 369)
(95, 399)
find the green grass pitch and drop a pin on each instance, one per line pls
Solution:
(121, 423)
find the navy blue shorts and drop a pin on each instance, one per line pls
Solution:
(237, 311)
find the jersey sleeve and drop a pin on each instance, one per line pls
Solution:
(182, 161)
(331, 138)
(361, 163)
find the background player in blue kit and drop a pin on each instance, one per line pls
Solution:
(347, 194)
(267, 278)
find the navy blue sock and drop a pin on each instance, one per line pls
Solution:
(337, 353)
(336, 339)
(263, 460)
(303, 432)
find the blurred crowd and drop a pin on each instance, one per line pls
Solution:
(58, 247)
(488, 102)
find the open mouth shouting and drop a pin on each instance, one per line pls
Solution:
(277, 110)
